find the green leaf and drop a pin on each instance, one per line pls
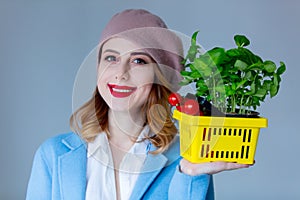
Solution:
(194, 48)
(203, 68)
(194, 38)
(249, 76)
(183, 62)
(241, 40)
(256, 101)
(275, 80)
(185, 73)
(281, 69)
(200, 64)
(203, 89)
(220, 88)
(255, 66)
(195, 74)
(235, 77)
(252, 88)
(267, 85)
(230, 92)
(240, 65)
(269, 66)
(234, 53)
(240, 84)
(273, 90)
(250, 57)
(261, 93)
(200, 83)
(216, 55)
(192, 52)
(233, 86)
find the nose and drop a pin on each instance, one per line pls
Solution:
(122, 72)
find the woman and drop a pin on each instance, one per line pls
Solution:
(124, 144)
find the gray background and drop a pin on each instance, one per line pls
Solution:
(43, 43)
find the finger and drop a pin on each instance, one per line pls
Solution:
(209, 168)
(232, 166)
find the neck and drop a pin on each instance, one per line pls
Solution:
(125, 127)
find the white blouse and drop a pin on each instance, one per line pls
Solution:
(100, 170)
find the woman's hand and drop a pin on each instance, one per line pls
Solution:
(195, 169)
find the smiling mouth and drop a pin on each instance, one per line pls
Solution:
(120, 91)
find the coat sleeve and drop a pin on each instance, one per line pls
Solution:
(40, 183)
(187, 187)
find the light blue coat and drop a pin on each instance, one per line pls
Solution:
(59, 173)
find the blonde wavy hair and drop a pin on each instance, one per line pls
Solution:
(92, 118)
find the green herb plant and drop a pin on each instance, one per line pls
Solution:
(234, 80)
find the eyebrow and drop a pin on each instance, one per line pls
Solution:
(140, 53)
(132, 54)
(111, 50)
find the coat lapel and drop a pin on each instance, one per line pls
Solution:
(72, 169)
(153, 165)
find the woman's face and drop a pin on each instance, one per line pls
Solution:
(125, 75)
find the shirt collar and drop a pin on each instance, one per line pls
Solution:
(101, 141)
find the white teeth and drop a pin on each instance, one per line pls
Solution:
(120, 90)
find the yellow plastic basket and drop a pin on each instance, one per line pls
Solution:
(205, 139)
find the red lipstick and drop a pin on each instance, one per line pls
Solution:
(121, 91)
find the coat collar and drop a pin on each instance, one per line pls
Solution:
(73, 141)
(72, 168)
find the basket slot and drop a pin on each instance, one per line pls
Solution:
(232, 154)
(202, 151)
(204, 134)
(222, 154)
(240, 132)
(237, 154)
(245, 135)
(242, 152)
(227, 154)
(224, 131)
(234, 132)
(208, 135)
(247, 152)
(207, 151)
(229, 131)
(249, 137)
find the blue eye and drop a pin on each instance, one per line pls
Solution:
(110, 58)
(139, 61)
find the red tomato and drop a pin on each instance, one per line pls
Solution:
(175, 99)
(191, 107)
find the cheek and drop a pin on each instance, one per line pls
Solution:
(102, 80)
(102, 72)
(143, 77)
(140, 97)
(104, 75)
